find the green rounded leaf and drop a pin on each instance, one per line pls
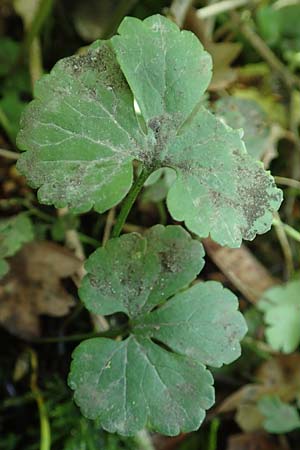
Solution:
(134, 273)
(202, 323)
(280, 417)
(135, 383)
(156, 377)
(82, 131)
(167, 69)
(220, 190)
(281, 307)
(82, 134)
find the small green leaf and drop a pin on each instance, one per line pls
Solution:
(248, 115)
(281, 307)
(83, 130)
(167, 70)
(134, 273)
(82, 134)
(139, 382)
(130, 384)
(14, 232)
(280, 417)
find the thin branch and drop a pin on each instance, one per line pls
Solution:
(6, 125)
(295, 157)
(284, 243)
(45, 430)
(290, 182)
(284, 3)
(129, 201)
(290, 231)
(9, 154)
(220, 7)
(264, 51)
(110, 219)
(113, 332)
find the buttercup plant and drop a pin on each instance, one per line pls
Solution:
(82, 135)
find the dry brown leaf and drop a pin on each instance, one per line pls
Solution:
(251, 441)
(249, 418)
(247, 395)
(33, 287)
(241, 267)
(282, 372)
(277, 376)
(244, 402)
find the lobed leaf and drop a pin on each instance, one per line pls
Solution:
(157, 376)
(280, 305)
(134, 273)
(135, 383)
(279, 417)
(82, 134)
(83, 131)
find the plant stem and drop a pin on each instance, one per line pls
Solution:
(220, 7)
(9, 154)
(213, 434)
(129, 201)
(285, 245)
(80, 337)
(5, 124)
(179, 10)
(43, 11)
(143, 439)
(264, 51)
(290, 182)
(45, 431)
(108, 225)
(290, 231)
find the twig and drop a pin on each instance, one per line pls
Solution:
(283, 3)
(290, 231)
(5, 124)
(9, 154)
(144, 441)
(220, 7)
(284, 243)
(35, 61)
(264, 51)
(35, 25)
(45, 439)
(80, 337)
(295, 159)
(290, 182)
(179, 10)
(129, 201)
(73, 243)
(110, 219)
